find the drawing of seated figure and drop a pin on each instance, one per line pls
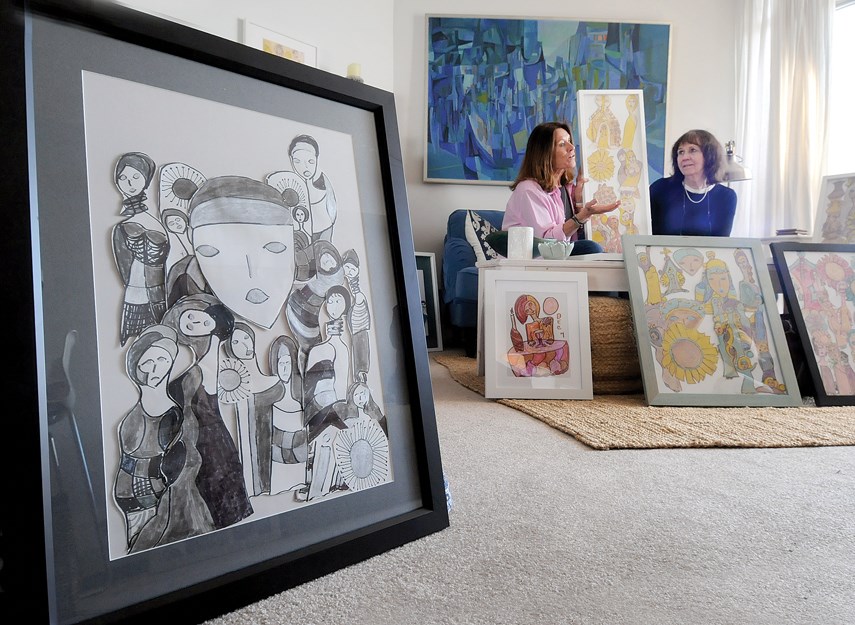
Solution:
(538, 330)
(290, 434)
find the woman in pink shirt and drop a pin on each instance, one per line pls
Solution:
(544, 196)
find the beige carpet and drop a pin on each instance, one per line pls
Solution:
(627, 422)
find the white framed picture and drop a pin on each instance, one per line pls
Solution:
(537, 335)
(613, 144)
(835, 211)
(429, 294)
(276, 43)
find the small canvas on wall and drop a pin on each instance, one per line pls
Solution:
(818, 281)
(614, 160)
(538, 343)
(706, 323)
(835, 212)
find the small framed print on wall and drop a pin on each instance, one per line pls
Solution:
(276, 43)
(537, 335)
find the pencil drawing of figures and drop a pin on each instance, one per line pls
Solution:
(304, 153)
(318, 271)
(202, 323)
(243, 238)
(290, 434)
(253, 393)
(152, 452)
(358, 319)
(326, 383)
(140, 247)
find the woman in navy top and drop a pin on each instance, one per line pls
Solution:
(691, 202)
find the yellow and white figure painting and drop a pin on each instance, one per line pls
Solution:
(537, 335)
(614, 160)
(835, 213)
(707, 322)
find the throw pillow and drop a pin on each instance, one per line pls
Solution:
(477, 228)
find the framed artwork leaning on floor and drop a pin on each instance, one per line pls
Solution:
(537, 335)
(706, 323)
(818, 281)
(222, 370)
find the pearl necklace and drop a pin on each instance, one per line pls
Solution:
(705, 190)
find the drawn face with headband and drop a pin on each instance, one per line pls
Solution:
(243, 237)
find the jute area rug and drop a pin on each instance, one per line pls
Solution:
(626, 422)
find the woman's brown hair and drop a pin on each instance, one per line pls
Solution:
(537, 162)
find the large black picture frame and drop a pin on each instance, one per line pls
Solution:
(55, 562)
(818, 283)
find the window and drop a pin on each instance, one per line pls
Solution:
(841, 125)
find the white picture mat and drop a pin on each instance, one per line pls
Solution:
(256, 145)
(570, 292)
(616, 167)
(276, 43)
(835, 210)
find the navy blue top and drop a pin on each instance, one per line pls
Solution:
(671, 212)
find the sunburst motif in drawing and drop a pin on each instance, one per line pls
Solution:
(834, 270)
(232, 381)
(362, 455)
(292, 187)
(601, 166)
(178, 183)
(688, 354)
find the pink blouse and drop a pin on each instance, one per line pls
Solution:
(530, 205)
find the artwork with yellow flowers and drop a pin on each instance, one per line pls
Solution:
(614, 160)
(707, 324)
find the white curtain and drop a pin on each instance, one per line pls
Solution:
(781, 116)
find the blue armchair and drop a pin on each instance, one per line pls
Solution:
(460, 276)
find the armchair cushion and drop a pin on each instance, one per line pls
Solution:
(477, 229)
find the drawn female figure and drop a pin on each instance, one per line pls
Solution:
(321, 271)
(152, 451)
(140, 247)
(253, 393)
(732, 327)
(304, 153)
(177, 227)
(537, 330)
(359, 318)
(326, 382)
(362, 405)
(203, 323)
(290, 435)
(362, 450)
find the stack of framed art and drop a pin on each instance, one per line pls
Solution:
(221, 376)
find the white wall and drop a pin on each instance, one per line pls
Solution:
(387, 37)
(343, 31)
(700, 95)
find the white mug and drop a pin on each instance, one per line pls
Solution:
(520, 242)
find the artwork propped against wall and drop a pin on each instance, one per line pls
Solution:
(537, 335)
(818, 281)
(835, 211)
(706, 323)
(491, 80)
(614, 160)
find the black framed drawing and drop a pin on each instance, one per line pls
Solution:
(209, 265)
(818, 282)
(429, 294)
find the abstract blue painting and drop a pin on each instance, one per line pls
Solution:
(491, 80)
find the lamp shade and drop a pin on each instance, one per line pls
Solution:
(734, 169)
